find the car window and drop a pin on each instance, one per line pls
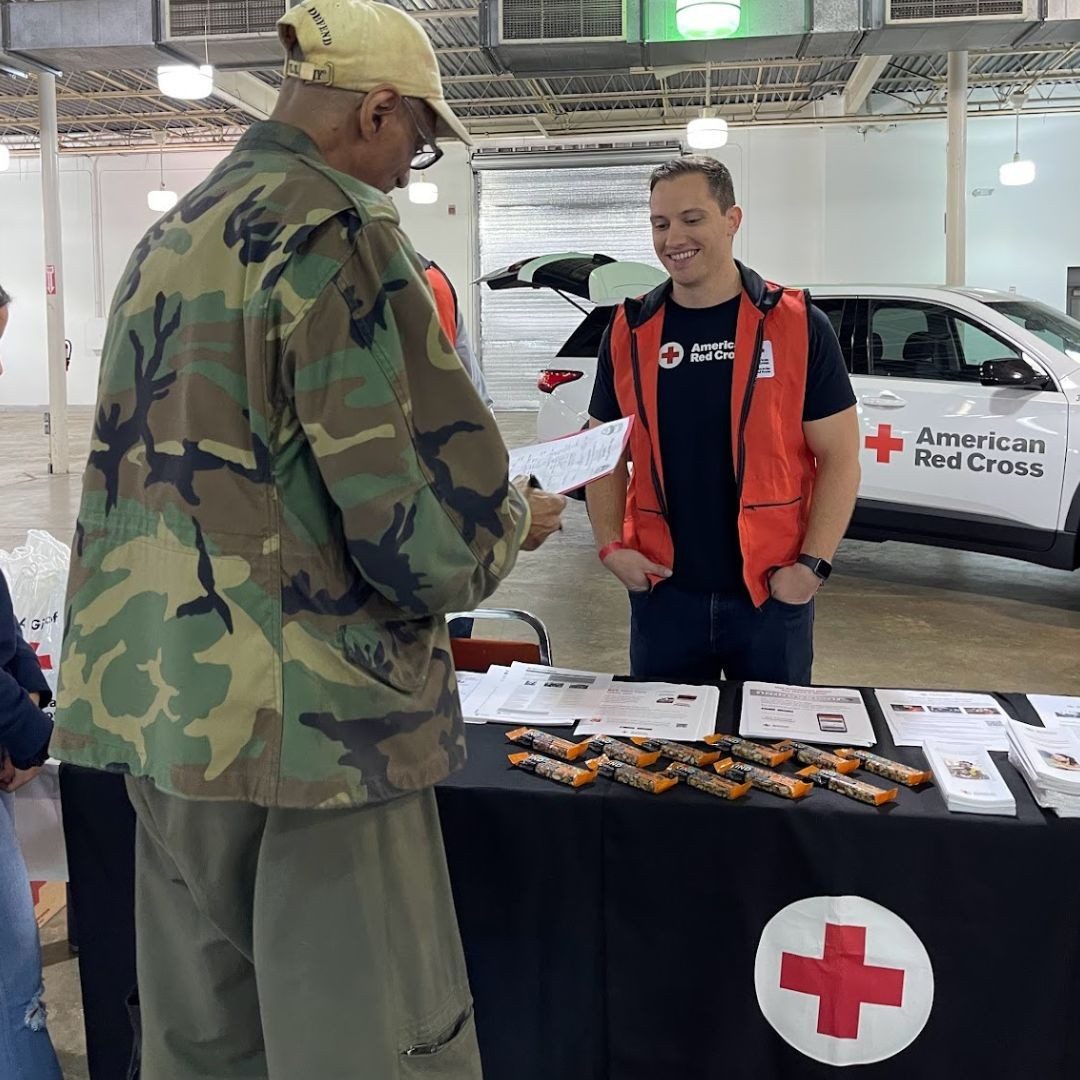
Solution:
(912, 339)
(841, 313)
(833, 306)
(1055, 328)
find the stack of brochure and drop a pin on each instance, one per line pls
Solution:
(1049, 760)
(969, 779)
(541, 696)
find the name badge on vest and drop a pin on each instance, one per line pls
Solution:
(766, 370)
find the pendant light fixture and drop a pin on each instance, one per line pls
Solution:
(423, 192)
(189, 82)
(161, 200)
(707, 131)
(1019, 171)
(708, 18)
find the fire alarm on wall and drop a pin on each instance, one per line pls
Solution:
(452, 210)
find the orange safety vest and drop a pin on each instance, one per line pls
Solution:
(445, 300)
(773, 464)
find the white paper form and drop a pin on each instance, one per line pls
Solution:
(568, 464)
(476, 690)
(916, 716)
(1056, 711)
(654, 711)
(834, 716)
(545, 696)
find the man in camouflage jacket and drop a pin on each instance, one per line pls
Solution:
(291, 482)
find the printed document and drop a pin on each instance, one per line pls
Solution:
(654, 711)
(568, 464)
(915, 716)
(814, 714)
(1055, 711)
(969, 779)
(545, 696)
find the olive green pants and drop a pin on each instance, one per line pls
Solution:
(298, 944)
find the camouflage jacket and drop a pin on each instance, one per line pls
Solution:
(291, 481)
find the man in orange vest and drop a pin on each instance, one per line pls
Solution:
(745, 450)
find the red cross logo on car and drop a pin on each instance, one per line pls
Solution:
(885, 443)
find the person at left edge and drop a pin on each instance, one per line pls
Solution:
(26, 1052)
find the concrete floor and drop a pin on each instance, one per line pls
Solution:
(893, 615)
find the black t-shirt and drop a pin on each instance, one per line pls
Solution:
(694, 422)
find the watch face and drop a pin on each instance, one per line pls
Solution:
(818, 566)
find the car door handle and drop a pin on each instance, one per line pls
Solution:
(885, 400)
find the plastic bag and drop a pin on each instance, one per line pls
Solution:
(37, 574)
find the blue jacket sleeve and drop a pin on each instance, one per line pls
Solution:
(24, 729)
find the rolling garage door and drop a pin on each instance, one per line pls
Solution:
(528, 212)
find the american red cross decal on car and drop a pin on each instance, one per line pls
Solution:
(885, 443)
(842, 981)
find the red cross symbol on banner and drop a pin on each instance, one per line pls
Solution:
(884, 443)
(842, 980)
(46, 660)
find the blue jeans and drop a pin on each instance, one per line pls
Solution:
(692, 637)
(26, 1052)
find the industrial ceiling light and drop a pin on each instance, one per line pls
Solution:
(422, 192)
(708, 18)
(161, 200)
(1018, 172)
(708, 131)
(5, 158)
(186, 81)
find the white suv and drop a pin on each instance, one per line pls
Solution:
(965, 399)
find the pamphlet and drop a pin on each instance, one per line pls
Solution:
(918, 716)
(476, 690)
(546, 697)
(1055, 711)
(969, 779)
(567, 464)
(654, 711)
(834, 716)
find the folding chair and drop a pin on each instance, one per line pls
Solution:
(479, 654)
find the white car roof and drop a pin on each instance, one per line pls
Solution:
(939, 293)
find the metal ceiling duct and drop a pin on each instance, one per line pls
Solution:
(537, 38)
(96, 35)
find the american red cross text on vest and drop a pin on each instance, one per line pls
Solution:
(842, 981)
(884, 443)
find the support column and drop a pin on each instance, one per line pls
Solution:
(57, 418)
(956, 201)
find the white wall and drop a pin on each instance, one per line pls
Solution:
(822, 205)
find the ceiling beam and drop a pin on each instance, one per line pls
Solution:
(861, 82)
(245, 92)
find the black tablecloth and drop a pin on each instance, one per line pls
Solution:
(611, 935)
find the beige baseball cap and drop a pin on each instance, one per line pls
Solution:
(359, 45)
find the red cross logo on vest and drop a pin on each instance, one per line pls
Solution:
(45, 662)
(884, 443)
(671, 355)
(843, 980)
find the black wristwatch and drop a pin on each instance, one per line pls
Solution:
(819, 567)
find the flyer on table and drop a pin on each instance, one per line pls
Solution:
(835, 716)
(655, 711)
(916, 716)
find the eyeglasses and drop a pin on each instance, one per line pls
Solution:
(427, 153)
